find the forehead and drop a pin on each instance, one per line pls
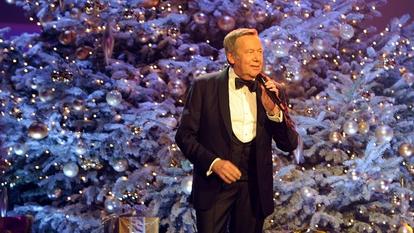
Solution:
(248, 42)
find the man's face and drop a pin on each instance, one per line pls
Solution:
(247, 57)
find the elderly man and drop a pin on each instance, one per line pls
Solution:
(226, 131)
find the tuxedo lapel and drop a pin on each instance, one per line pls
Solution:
(223, 88)
(261, 114)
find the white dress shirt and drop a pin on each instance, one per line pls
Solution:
(243, 112)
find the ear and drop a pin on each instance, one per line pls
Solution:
(230, 58)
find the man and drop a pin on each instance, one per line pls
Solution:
(226, 131)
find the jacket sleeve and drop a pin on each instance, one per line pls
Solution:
(284, 134)
(188, 130)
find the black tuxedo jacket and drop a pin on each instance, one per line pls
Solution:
(205, 133)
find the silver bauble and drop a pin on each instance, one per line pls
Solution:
(350, 127)
(177, 87)
(112, 204)
(80, 148)
(384, 133)
(114, 98)
(405, 149)
(20, 148)
(120, 165)
(409, 78)
(346, 31)
(200, 18)
(38, 130)
(70, 169)
(187, 184)
(281, 48)
(226, 23)
(319, 45)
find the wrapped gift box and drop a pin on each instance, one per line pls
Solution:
(18, 224)
(132, 225)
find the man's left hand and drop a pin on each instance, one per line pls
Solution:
(267, 102)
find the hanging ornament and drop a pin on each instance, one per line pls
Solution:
(108, 43)
(112, 204)
(78, 105)
(120, 165)
(409, 78)
(384, 133)
(405, 149)
(200, 18)
(4, 202)
(83, 52)
(335, 137)
(176, 87)
(38, 130)
(346, 31)
(62, 76)
(226, 23)
(363, 127)
(114, 98)
(260, 15)
(319, 45)
(46, 95)
(187, 184)
(350, 127)
(281, 48)
(150, 3)
(70, 169)
(405, 228)
(54, 193)
(20, 148)
(67, 37)
(80, 148)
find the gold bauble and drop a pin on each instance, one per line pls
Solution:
(83, 52)
(67, 37)
(405, 228)
(405, 150)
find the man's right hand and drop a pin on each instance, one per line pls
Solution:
(227, 171)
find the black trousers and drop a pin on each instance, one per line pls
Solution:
(234, 211)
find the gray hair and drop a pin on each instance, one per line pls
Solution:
(231, 37)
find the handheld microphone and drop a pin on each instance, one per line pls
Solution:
(262, 79)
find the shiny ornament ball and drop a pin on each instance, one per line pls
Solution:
(405, 149)
(54, 193)
(70, 169)
(38, 130)
(226, 23)
(83, 52)
(187, 184)
(177, 87)
(318, 45)
(350, 127)
(46, 95)
(80, 148)
(120, 165)
(384, 133)
(67, 37)
(281, 48)
(150, 3)
(20, 148)
(346, 31)
(200, 18)
(335, 137)
(363, 127)
(112, 204)
(114, 98)
(409, 78)
(405, 228)
(78, 105)
(260, 16)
